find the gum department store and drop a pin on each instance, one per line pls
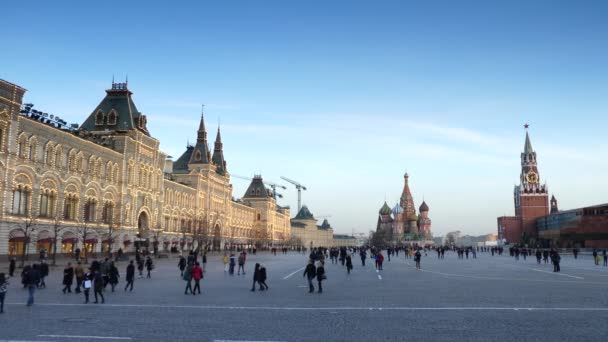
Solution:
(107, 183)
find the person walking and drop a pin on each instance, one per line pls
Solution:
(605, 255)
(188, 278)
(546, 256)
(539, 256)
(79, 273)
(68, 278)
(104, 269)
(32, 279)
(149, 266)
(87, 283)
(3, 289)
(113, 275)
(140, 267)
(379, 260)
(256, 275)
(241, 264)
(262, 278)
(98, 286)
(44, 272)
(232, 264)
(130, 276)
(595, 259)
(204, 262)
(349, 264)
(310, 273)
(197, 275)
(182, 265)
(11, 267)
(225, 261)
(417, 258)
(321, 275)
(363, 255)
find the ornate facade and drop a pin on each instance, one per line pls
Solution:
(106, 183)
(401, 223)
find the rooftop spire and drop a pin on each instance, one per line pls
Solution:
(528, 144)
(200, 153)
(218, 153)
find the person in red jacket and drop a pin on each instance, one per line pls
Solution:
(380, 260)
(197, 275)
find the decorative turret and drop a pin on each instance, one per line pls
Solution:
(257, 189)
(218, 154)
(423, 207)
(397, 211)
(529, 177)
(304, 214)
(407, 201)
(200, 152)
(554, 209)
(385, 210)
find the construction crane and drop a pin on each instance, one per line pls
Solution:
(273, 186)
(298, 186)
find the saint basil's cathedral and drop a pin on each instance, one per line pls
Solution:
(401, 224)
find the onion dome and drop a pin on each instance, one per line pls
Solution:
(397, 210)
(423, 207)
(385, 210)
(413, 217)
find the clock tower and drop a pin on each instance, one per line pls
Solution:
(531, 197)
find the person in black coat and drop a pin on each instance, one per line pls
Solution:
(149, 266)
(68, 278)
(98, 286)
(44, 272)
(310, 272)
(11, 268)
(320, 276)
(256, 277)
(113, 275)
(130, 275)
(262, 278)
(349, 264)
(182, 265)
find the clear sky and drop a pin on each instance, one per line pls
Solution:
(345, 96)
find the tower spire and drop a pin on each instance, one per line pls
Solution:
(200, 152)
(528, 145)
(218, 153)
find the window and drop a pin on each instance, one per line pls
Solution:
(70, 208)
(89, 210)
(21, 199)
(21, 148)
(1, 137)
(112, 118)
(99, 118)
(47, 205)
(32, 151)
(49, 155)
(108, 212)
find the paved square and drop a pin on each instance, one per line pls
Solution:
(495, 298)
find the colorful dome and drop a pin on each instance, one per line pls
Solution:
(413, 217)
(385, 210)
(423, 207)
(397, 210)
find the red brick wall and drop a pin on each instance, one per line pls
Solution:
(533, 207)
(511, 228)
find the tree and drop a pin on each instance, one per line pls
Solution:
(201, 234)
(83, 231)
(57, 227)
(156, 233)
(110, 231)
(27, 226)
(294, 242)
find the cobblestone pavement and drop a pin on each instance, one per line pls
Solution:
(479, 299)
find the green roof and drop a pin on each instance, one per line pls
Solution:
(385, 210)
(304, 214)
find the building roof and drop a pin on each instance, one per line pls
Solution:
(325, 225)
(116, 112)
(200, 153)
(397, 210)
(423, 207)
(218, 154)
(182, 162)
(257, 189)
(385, 210)
(528, 145)
(304, 214)
(343, 236)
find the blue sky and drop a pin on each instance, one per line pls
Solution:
(345, 96)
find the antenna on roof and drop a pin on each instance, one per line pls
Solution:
(127, 79)
(112, 78)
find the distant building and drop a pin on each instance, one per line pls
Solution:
(305, 229)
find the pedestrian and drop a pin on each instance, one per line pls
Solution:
(555, 258)
(149, 266)
(349, 264)
(546, 256)
(3, 288)
(232, 264)
(87, 283)
(204, 262)
(104, 269)
(31, 280)
(595, 257)
(310, 272)
(417, 258)
(225, 261)
(256, 275)
(539, 256)
(605, 255)
(321, 275)
(363, 255)
(79, 273)
(182, 265)
(140, 267)
(68, 278)
(11, 268)
(44, 272)
(188, 278)
(130, 276)
(379, 260)
(197, 275)
(241, 264)
(98, 286)
(113, 275)
(262, 278)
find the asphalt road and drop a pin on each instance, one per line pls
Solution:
(479, 299)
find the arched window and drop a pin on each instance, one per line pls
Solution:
(21, 201)
(32, 149)
(90, 207)
(48, 201)
(70, 208)
(112, 118)
(99, 118)
(49, 155)
(21, 143)
(108, 212)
